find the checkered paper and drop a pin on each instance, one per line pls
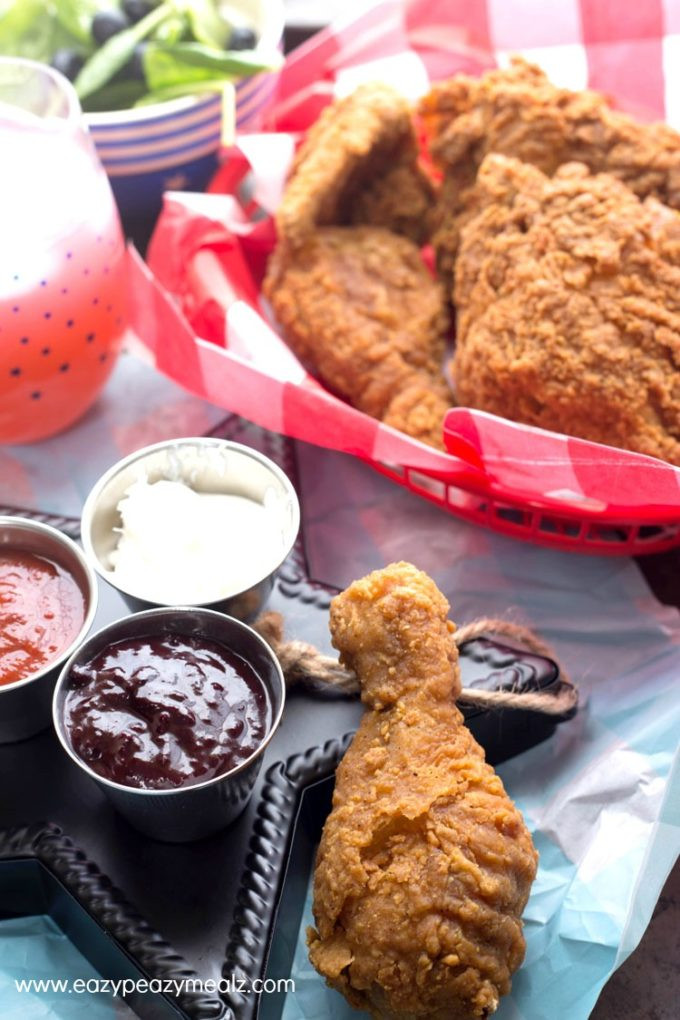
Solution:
(210, 332)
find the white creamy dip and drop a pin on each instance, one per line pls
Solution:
(178, 546)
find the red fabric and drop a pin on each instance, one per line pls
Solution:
(165, 331)
(624, 49)
(349, 430)
(545, 468)
(609, 66)
(606, 21)
(450, 36)
(430, 22)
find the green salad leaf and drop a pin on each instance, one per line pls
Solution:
(207, 25)
(116, 95)
(30, 28)
(75, 17)
(175, 28)
(183, 49)
(115, 53)
(168, 65)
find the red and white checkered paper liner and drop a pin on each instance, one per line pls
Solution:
(209, 252)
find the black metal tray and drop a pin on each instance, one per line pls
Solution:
(295, 801)
(191, 893)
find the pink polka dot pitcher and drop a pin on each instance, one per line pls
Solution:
(62, 258)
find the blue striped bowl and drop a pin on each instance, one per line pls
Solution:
(174, 145)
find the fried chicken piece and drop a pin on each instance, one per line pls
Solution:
(419, 410)
(519, 112)
(358, 305)
(568, 298)
(425, 864)
(358, 164)
(402, 200)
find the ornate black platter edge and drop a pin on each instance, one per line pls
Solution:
(258, 900)
(94, 893)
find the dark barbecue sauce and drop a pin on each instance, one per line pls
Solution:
(165, 711)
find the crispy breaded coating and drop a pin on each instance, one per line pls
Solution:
(425, 864)
(419, 410)
(519, 112)
(358, 305)
(402, 200)
(358, 164)
(568, 299)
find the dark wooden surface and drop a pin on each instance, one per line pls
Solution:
(662, 572)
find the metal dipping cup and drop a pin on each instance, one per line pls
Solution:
(206, 465)
(183, 814)
(25, 706)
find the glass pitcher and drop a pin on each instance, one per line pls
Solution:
(62, 257)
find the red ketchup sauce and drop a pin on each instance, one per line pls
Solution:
(42, 610)
(165, 711)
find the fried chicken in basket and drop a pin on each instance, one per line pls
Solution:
(568, 300)
(519, 112)
(358, 164)
(425, 864)
(402, 200)
(358, 305)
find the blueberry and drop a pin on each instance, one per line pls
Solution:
(134, 69)
(131, 71)
(137, 9)
(68, 63)
(106, 24)
(241, 38)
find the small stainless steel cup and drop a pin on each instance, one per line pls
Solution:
(206, 465)
(187, 813)
(25, 706)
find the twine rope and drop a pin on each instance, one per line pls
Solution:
(304, 665)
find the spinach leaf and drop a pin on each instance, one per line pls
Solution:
(207, 24)
(166, 66)
(75, 16)
(29, 29)
(175, 28)
(116, 52)
(38, 28)
(118, 95)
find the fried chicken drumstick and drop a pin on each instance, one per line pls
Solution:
(359, 306)
(519, 112)
(568, 299)
(425, 864)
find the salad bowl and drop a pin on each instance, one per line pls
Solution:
(174, 144)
